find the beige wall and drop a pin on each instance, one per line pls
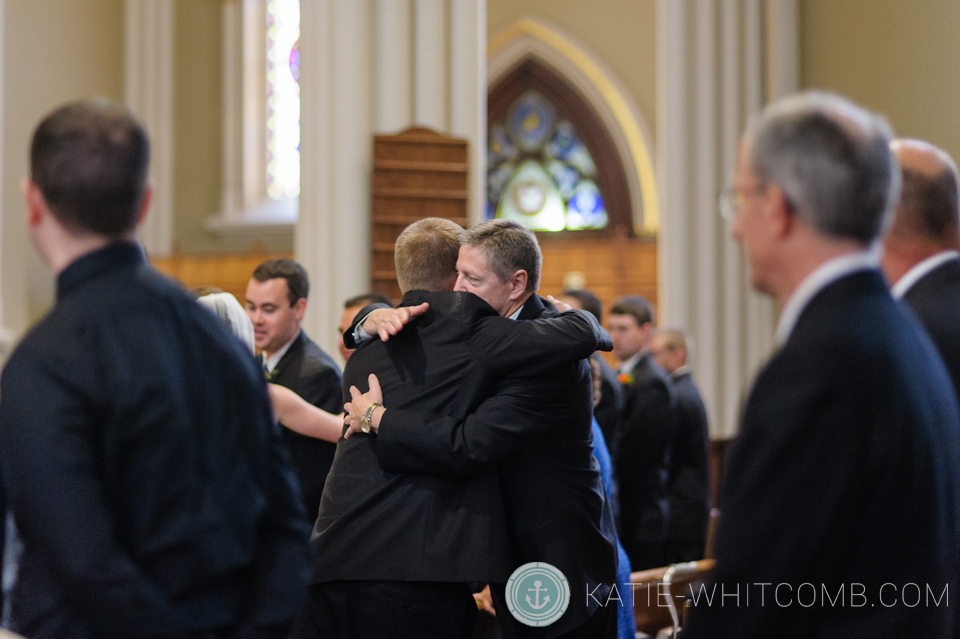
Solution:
(198, 124)
(899, 58)
(619, 32)
(54, 51)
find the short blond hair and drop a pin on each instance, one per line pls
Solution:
(426, 254)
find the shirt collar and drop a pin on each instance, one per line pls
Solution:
(516, 313)
(93, 264)
(678, 372)
(916, 273)
(628, 364)
(821, 277)
(272, 361)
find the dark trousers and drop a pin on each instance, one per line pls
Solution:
(386, 610)
(602, 624)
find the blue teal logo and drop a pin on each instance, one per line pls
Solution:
(537, 594)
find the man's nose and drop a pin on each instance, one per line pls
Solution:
(460, 286)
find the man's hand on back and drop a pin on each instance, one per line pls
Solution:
(390, 321)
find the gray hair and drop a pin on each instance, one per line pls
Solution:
(832, 159)
(508, 248)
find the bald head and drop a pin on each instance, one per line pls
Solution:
(927, 218)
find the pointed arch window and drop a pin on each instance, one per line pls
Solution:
(551, 166)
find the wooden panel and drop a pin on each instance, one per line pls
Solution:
(416, 174)
(611, 267)
(229, 273)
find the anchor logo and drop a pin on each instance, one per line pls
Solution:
(537, 590)
(542, 603)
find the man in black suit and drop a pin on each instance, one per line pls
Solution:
(394, 552)
(689, 481)
(276, 300)
(150, 488)
(536, 430)
(920, 251)
(842, 499)
(609, 410)
(646, 434)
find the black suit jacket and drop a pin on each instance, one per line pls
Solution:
(689, 484)
(846, 473)
(378, 524)
(935, 298)
(538, 430)
(643, 462)
(150, 487)
(310, 373)
(609, 411)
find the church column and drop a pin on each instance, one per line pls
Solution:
(332, 238)
(394, 91)
(468, 92)
(430, 57)
(148, 88)
(703, 283)
(376, 66)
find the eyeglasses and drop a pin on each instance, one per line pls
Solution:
(732, 199)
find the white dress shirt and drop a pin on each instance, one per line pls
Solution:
(915, 274)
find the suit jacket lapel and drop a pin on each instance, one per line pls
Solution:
(293, 353)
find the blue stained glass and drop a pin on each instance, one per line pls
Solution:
(585, 209)
(497, 179)
(531, 121)
(565, 176)
(500, 148)
(539, 171)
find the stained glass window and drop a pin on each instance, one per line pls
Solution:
(539, 172)
(283, 99)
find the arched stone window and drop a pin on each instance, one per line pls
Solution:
(551, 165)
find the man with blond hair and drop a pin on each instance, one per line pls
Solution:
(394, 552)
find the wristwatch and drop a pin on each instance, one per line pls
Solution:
(367, 416)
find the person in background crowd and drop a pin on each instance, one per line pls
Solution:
(846, 472)
(689, 481)
(276, 300)
(150, 487)
(647, 430)
(920, 251)
(350, 309)
(609, 411)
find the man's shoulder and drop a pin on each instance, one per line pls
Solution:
(313, 359)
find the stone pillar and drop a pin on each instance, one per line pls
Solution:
(712, 68)
(148, 88)
(376, 66)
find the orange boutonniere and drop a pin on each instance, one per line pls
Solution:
(625, 378)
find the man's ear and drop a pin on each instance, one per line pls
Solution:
(518, 284)
(780, 211)
(36, 204)
(144, 205)
(299, 308)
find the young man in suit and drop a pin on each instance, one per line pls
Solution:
(842, 498)
(394, 552)
(920, 251)
(689, 483)
(149, 484)
(276, 300)
(646, 434)
(350, 309)
(536, 432)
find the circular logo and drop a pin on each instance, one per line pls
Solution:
(537, 594)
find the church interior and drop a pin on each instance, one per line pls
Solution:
(313, 130)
